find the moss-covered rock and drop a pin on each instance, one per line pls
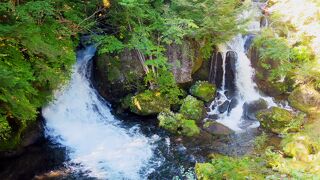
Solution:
(192, 108)
(305, 98)
(217, 129)
(203, 90)
(275, 119)
(177, 124)
(148, 103)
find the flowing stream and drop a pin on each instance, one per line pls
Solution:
(97, 143)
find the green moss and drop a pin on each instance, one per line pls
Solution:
(205, 171)
(305, 98)
(169, 121)
(177, 124)
(192, 108)
(203, 90)
(189, 128)
(148, 103)
(275, 119)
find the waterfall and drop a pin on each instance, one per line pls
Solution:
(228, 106)
(97, 142)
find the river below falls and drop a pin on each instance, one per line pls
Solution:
(174, 157)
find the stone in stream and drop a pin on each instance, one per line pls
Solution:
(215, 128)
(250, 109)
(223, 107)
(230, 94)
(218, 71)
(230, 80)
(213, 116)
(233, 104)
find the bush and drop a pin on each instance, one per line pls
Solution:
(224, 167)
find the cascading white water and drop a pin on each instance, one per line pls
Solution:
(246, 87)
(79, 120)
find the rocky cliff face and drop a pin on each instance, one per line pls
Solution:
(184, 58)
(116, 76)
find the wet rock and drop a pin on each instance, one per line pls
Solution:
(305, 98)
(214, 116)
(229, 94)
(203, 90)
(224, 107)
(218, 70)
(215, 128)
(248, 42)
(231, 58)
(181, 149)
(250, 109)
(233, 104)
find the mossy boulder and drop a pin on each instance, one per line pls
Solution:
(148, 103)
(118, 75)
(192, 108)
(176, 123)
(275, 119)
(306, 99)
(203, 90)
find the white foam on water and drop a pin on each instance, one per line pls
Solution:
(79, 120)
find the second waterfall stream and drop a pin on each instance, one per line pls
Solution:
(239, 89)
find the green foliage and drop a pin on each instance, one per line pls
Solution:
(5, 129)
(260, 141)
(203, 90)
(37, 52)
(224, 167)
(108, 44)
(176, 123)
(164, 81)
(148, 26)
(192, 108)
